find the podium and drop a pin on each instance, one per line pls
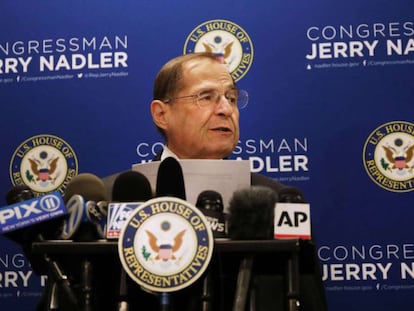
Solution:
(289, 259)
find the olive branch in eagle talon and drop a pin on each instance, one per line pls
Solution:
(398, 162)
(29, 176)
(165, 252)
(145, 254)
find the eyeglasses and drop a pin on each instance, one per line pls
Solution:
(235, 97)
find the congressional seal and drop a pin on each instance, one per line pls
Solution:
(389, 156)
(166, 244)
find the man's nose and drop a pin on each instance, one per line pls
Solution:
(224, 106)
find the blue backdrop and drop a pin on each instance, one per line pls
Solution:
(330, 111)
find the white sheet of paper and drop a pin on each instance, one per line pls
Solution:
(223, 176)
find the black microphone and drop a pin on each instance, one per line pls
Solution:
(210, 200)
(170, 179)
(292, 219)
(210, 203)
(290, 195)
(293, 195)
(82, 195)
(170, 182)
(86, 199)
(252, 213)
(251, 218)
(38, 231)
(19, 193)
(129, 186)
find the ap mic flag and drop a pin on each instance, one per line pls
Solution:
(292, 215)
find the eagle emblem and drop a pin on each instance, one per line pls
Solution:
(43, 167)
(221, 49)
(165, 252)
(398, 159)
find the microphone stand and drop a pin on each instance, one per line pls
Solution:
(293, 284)
(86, 285)
(52, 298)
(123, 292)
(165, 302)
(243, 284)
(57, 280)
(206, 293)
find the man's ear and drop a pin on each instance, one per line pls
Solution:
(158, 111)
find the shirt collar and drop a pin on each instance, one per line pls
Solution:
(168, 153)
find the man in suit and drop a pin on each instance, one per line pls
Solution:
(196, 107)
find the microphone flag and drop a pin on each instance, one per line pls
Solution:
(31, 212)
(166, 244)
(292, 220)
(118, 214)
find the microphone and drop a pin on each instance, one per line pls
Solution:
(251, 218)
(86, 200)
(130, 186)
(252, 213)
(30, 216)
(16, 194)
(170, 182)
(292, 220)
(170, 179)
(292, 215)
(88, 185)
(210, 203)
(27, 219)
(19, 193)
(26, 211)
(291, 195)
(210, 200)
(84, 196)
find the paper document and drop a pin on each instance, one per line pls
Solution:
(223, 176)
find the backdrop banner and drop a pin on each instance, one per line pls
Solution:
(330, 112)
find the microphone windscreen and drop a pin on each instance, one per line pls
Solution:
(87, 185)
(19, 193)
(170, 179)
(290, 195)
(252, 213)
(131, 186)
(210, 203)
(210, 200)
